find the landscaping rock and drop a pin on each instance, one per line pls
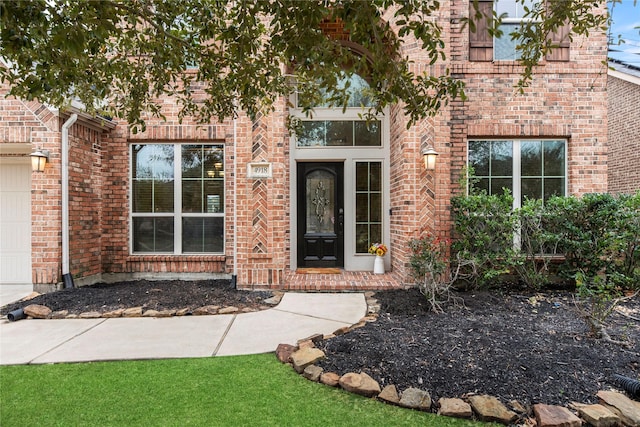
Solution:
(274, 300)
(305, 357)
(113, 313)
(555, 416)
(622, 406)
(453, 407)
(415, 398)
(284, 352)
(90, 315)
(62, 314)
(315, 339)
(312, 373)
(390, 394)
(330, 378)
(31, 296)
(361, 384)
(183, 312)
(597, 415)
(306, 344)
(37, 311)
(373, 309)
(489, 408)
(206, 310)
(228, 310)
(150, 313)
(166, 313)
(341, 331)
(518, 407)
(132, 312)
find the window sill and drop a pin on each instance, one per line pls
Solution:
(169, 257)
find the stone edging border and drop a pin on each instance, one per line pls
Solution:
(614, 409)
(37, 311)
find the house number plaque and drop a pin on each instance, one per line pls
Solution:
(259, 170)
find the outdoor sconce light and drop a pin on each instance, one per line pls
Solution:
(39, 160)
(430, 156)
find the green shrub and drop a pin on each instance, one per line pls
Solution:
(484, 228)
(538, 243)
(597, 235)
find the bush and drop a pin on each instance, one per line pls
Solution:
(483, 243)
(597, 235)
(429, 269)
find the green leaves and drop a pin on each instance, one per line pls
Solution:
(122, 55)
(596, 234)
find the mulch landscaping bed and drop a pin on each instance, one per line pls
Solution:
(533, 348)
(151, 295)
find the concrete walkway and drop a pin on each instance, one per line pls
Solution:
(13, 292)
(299, 315)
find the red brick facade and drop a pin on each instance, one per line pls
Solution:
(566, 100)
(623, 92)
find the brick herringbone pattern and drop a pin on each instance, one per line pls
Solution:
(260, 208)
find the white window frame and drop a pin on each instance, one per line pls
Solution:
(517, 163)
(177, 213)
(510, 20)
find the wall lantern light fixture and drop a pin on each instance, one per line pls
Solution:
(39, 159)
(429, 155)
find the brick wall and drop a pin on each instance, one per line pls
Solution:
(34, 124)
(565, 100)
(624, 142)
(116, 255)
(30, 123)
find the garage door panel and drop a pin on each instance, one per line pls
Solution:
(15, 222)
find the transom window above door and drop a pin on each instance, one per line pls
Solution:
(351, 130)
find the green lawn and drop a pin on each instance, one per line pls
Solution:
(222, 391)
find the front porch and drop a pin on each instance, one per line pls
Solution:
(339, 280)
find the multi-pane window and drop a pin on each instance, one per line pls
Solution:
(177, 198)
(368, 205)
(484, 47)
(530, 169)
(504, 47)
(343, 133)
(340, 133)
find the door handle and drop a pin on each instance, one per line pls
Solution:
(340, 220)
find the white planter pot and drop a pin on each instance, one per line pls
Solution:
(378, 265)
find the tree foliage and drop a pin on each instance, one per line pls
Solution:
(215, 57)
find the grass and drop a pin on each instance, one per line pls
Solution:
(223, 391)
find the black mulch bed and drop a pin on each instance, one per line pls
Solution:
(533, 348)
(151, 295)
(530, 347)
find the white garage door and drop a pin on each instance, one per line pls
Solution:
(15, 221)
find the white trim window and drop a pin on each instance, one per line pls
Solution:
(346, 129)
(504, 47)
(177, 198)
(530, 169)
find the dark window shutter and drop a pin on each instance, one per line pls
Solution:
(480, 41)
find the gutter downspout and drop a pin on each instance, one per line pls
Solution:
(67, 278)
(234, 276)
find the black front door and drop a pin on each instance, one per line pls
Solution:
(320, 215)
